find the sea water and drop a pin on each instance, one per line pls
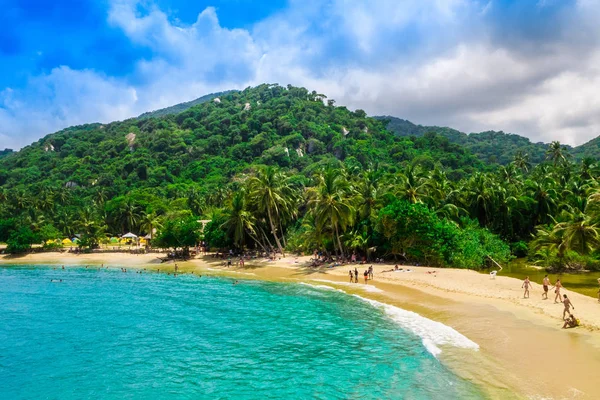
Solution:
(112, 335)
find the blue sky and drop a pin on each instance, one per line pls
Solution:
(528, 67)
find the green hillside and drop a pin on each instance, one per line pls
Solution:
(275, 168)
(181, 107)
(5, 152)
(491, 146)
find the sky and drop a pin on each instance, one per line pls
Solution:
(530, 67)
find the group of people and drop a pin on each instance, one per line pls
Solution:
(368, 274)
(571, 321)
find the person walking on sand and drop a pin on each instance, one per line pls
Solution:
(366, 274)
(371, 272)
(526, 285)
(568, 305)
(355, 275)
(557, 287)
(351, 276)
(546, 284)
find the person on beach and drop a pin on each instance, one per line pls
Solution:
(557, 287)
(351, 276)
(355, 275)
(571, 322)
(568, 305)
(546, 284)
(526, 285)
(371, 272)
(366, 274)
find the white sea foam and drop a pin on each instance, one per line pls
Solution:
(432, 333)
(366, 288)
(325, 287)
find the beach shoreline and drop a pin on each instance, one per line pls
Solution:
(522, 346)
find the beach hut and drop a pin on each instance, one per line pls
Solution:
(129, 236)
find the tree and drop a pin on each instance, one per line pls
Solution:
(181, 233)
(149, 222)
(331, 203)
(21, 239)
(270, 192)
(556, 153)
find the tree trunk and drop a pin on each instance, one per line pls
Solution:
(282, 235)
(258, 242)
(274, 232)
(339, 241)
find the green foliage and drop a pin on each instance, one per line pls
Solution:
(416, 233)
(215, 235)
(21, 239)
(491, 146)
(274, 168)
(179, 233)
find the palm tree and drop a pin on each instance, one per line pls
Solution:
(269, 192)
(129, 215)
(521, 161)
(331, 203)
(411, 185)
(149, 222)
(543, 195)
(556, 153)
(580, 234)
(479, 197)
(240, 222)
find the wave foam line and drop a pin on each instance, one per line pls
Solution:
(325, 287)
(432, 333)
(366, 288)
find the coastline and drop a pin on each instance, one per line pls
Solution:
(523, 352)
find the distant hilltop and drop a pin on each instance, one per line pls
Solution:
(5, 152)
(492, 147)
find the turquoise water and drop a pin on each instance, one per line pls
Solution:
(113, 335)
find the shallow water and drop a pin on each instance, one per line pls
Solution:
(107, 334)
(585, 282)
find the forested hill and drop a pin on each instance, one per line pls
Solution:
(492, 146)
(5, 152)
(181, 107)
(208, 144)
(280, 167)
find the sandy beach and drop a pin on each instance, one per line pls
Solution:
(523, 352)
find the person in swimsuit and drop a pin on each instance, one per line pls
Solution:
(526, 285)
(371, 272)
(546, 284)
(366, 274)
(355, 275)
(351, 276)
(567, 303)
(557, 287)
(571, 322)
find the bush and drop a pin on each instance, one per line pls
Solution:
(20, 240)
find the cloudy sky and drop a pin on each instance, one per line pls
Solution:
(523, 66)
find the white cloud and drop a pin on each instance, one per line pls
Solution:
(433, 62)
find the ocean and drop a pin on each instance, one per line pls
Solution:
(112, 335)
